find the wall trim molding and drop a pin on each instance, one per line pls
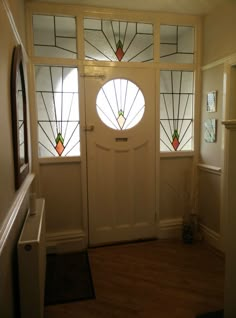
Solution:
(14, 27)
(209, 168)
(14, 209)
(230, 59)
(170, 228)
(64, 242)
(211, 237)
(230, 124)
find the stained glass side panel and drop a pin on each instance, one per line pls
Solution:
(21, 123)
(120, 104)
(58, 111)
(176, 110)
(54, 36)
(107, 40)
(176, 44)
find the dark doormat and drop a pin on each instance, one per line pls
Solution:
(215, 314)
(68, 278)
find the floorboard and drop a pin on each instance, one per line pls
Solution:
(164, 279)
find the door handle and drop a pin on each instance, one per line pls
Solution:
(89, 128)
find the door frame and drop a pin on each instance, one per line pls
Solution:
(84, 155)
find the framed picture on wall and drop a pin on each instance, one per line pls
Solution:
(211, 101)
(210, 130)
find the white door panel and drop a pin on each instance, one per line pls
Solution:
(121, 164)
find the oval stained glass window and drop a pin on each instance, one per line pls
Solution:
(120, 104)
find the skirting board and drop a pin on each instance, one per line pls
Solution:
(170, 228)
(211, 237)
(66, 242)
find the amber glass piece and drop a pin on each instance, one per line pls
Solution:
(175, 142)
(119, 52)
(59, 144)
(121, 119)
(59, 148)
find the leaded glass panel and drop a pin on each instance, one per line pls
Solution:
(21, 123)
(120, 104)
(176, 110)
(107, 40)
(58, 111)
(176, 44)
(54, 36)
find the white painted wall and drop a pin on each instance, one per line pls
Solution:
(13, 204)
(218, 45)
(211, 153)
(219, 33)
(230, 266)
(7, 43)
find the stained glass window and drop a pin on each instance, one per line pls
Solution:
(120, 104)
(176, 110)
(58, 111)
(107, 40)
(54, 36)
(176, 43)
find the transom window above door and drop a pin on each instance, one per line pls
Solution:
(55, 36)
(176, 44)
(120, 104)
(107, 40)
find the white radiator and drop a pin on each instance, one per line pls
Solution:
(32, 263)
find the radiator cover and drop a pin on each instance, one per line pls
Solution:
(32, 263)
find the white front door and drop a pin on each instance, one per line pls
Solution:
(121, 162)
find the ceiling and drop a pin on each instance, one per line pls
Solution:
(196, 7)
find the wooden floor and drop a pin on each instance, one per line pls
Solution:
(162, 279)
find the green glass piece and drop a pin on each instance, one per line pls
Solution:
(119, 45)
(59, 138)
(175, 135)
(120, 113)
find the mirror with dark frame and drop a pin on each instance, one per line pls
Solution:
(19, 117)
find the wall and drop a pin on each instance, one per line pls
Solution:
(219, 46)
(219, 33)
(232, 100)
(17, 9)
(210, 153)
(13, 204)
(6, 157)
(212, 81)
